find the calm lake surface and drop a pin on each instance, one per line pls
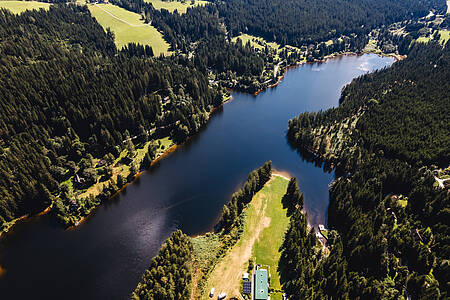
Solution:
(105, 257)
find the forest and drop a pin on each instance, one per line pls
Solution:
(298, 23)
(233, 209)
(410, 110)
(69, 96)
(169, 275)
(390, 222)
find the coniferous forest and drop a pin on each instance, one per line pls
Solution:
(390, 220)
(303, 22)
(63, 103)
(69, 97)
(169, 275)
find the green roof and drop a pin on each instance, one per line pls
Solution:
(261, 284)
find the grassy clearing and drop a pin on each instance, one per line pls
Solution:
(265, 224)
(20, 6)
(256, 42)
(171, 6)
(266, 249)
(128, 27)
(205, 249)
(123, 169)
(206, 254)
(324, 233)
(372, 47)
(403, 203)
(445, 35)
(260, 44)
(423, 39)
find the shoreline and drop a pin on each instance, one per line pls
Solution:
(167, 152)
(397, 57)
(277, 173)
(163, 155)
(280, 173)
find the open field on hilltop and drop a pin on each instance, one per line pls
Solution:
(172, 5)
(20, 6)
(265, 225)
(128, 27)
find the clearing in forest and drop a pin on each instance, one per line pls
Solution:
(265, 225)
(20, 6)
(128, 27)
(181, 7)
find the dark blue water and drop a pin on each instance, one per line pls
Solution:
(105, 257)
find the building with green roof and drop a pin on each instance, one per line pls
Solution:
(261, 285)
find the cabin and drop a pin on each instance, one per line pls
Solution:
(165, 100)
(101, 163)
(261, 284)
(78, 179)
(245, 277)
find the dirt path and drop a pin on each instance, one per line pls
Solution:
(441, 181)
(121, 20)
(226, 276)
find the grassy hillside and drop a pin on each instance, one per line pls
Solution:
(128, 27)
(265, 225)
(172, 5)
(20, 6)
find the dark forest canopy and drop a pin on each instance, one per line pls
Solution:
(170, 273)
(391, 221)
(405, 109)
(293, 22)
(300, 22)
(67, 95)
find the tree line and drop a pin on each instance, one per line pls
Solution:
(408, 98)
(298, 23)
(169, 276)
(68, 95)
(233, 209)
(391, 224)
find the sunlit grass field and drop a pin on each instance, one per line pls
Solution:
(172, 5)
(20, 6)
(265, 224)
(128, 27)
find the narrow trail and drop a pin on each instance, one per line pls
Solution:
(121, 20)
(441, 181)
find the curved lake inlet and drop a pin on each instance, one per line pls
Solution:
(105, 257)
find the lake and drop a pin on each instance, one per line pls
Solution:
(105, 256)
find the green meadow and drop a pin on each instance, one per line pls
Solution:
(128, 27)
(20, 6)
(266, 249)
(171, 6)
